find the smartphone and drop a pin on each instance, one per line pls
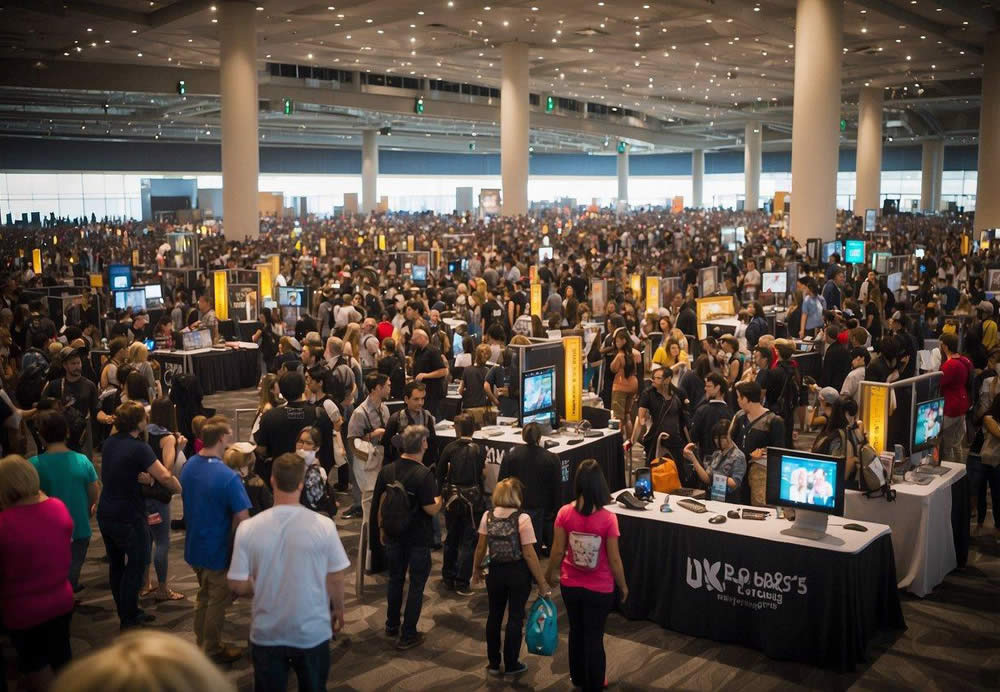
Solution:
(644, 483)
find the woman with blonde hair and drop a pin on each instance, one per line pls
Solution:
(240, 457)
(138, 357)
(508, 583)
(147, 660)
(36, 599)
(353, 337)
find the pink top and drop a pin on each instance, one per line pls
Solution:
(524, 526)
(585, 563)
(34, 563)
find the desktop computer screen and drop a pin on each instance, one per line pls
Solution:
(135, 299)
(154, 296)
(418, 273)
(191, 341)
(291, 296)
(927, 419)
(775, 282)
(804, 480)
(894, 281)
(538, 396)
(119, 276)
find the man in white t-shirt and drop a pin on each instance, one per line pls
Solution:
(292, 561)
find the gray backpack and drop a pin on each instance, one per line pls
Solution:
(503, 538)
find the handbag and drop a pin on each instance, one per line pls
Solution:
(157, 491)
(339, 451)
(542, 633)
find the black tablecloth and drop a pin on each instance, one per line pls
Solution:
(217, 371)
(831, 603)
(960, 517)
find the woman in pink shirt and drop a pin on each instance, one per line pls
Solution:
(36, 598)
(585, 553)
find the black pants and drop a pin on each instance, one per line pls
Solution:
(44, 645)
(587, 612)
(272, 663)
(508, 586)
(127, 545)
(459, 548)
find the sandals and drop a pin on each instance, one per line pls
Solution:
(171, 596)
(146, 593)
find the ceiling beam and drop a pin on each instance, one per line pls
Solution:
(885, 7)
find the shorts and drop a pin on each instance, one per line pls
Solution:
(621, 404)
(44, 645)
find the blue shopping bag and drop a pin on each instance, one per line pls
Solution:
(542, 633)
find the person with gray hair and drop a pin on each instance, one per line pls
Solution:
(410, 549)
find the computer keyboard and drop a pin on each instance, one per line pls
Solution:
(692, 505)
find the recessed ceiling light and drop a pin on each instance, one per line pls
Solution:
(135, 31)
(331, 8)
(864, 30)
(420, 12)
(310, 56)
(138, 55)
(260, 9)
(348, 37)
(382, 32)
(215, 21)
(89, 29)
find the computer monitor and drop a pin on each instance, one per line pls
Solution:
(201, 338)
(708, 281)
(880, 261)
(727, 238)
(919, 253)
(834, 247)
(855, 252)
(870, 216)
(811, 484)
(927, 418)
(154, 296)
(894, 281)
(741, 235)
(455, 266)
(150, 344)
(544, 254)
(119, 277)
(418, 273)
(291, 296)
(538, 397)
(135, 299)
(775, 282)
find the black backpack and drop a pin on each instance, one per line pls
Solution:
(463, 500)
(396, 509)
(503, 538)
(788, 399)
(30, 385)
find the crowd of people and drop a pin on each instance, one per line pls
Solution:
(258, 514)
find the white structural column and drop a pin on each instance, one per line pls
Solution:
(623, 177)
(514, 129)
(988, 180)
(751, 164)
(238, 86)
(369, 171)
(697, 178)
(931, 174)
(868, 164)
(816, 118)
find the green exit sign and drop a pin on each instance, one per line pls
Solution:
(182, 87)
(550, 104)
(843, 124)
(288, 106)
(621, 147)
(418, 106)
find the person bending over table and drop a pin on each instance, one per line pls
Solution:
(727, 460)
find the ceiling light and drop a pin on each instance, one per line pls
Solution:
(138, 55)
(506, 23)
(65, 53)
(348, 37)
(310, 56)
(212, 8)
(908, 57)
(420, 12)
(382, 32)
(487, 8)
(756, 9)
(450, 3)
(89, 29)
(260, 9)
(708, 21)
(135, 31)
(331, 8)
(864, 30)
(215, 21)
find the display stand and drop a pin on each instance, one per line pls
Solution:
(539, 354)
(811, 525)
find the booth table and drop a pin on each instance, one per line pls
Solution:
(217, 369)
(930, 526)
(606, 449)
(742, 581)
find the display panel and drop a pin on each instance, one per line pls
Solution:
(197, 339)
(870, 217)
(135, 299)
(832, 248)
(291, 296)
(894, 281)
(775, 282)
(544, 254)
(154, 296)
(418, 273)
(805, 480)
(538, 396)
(855, 252)
(927, 424)
(119, 276)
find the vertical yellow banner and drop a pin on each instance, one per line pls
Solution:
(266, 281)
(536, 299)
(381, 242)
(965, 244)
(135, 258)
(573, 377)
(276, 267)
(36, 261)
(410, 243)
(876, 415)
(533, 274)
(322, 247)
(221, 294)
(636, 285)
(652, 294)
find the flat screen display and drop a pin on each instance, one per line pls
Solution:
(538, 396)
(291, 296)
(927, 424)
(870, 216)
(832, 248)
(544, 254)
(919, 253)
(707, 278)
(805, 480)
(135, 299)
(775, 282)
(154, 296)
(418, 273)
(195, 340)
(855, 252)
(119, 276)
(894, 281)
(455, 266)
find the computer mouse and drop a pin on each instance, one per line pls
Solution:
(549, 444)
(733, 514)
(717, 519)
(855, 527)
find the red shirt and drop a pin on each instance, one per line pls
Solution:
(384, 331)
(34, 563)
(954, 375)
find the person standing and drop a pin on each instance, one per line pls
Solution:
(664, 409)
(36, 599)
(754, 429)
(78, 398)
(70, 477)
(292, 562)
(280, 427)
(410, 549)
(215, 502)
(429, 368)
(956, 373)
(836, 361)
(460, 477)
(710, 411)
(508, 583)
(538, 471)
(127, 461)
(585, 555)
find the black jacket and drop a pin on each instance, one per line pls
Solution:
(836, 366)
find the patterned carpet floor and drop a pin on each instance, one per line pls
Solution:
(952, 641)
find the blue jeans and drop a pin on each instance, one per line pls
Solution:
(127, 545)
(160, 537)
(459, 547)
(272, 663)
(416, 559)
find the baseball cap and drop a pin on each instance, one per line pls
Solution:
(70, 352)
(243, 447)
(986, 306)
(829, 394)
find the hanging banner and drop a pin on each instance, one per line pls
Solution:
(36, 261)
(876, 414)
(573, 377)
(536, 299)
(275, 266)
(533, 274)
(599, 296)
(652, 294)
(965, 245)
(636, 285)
(322, 247)
(410, 243)
(221, 294)
(266, 281)
(381, 242)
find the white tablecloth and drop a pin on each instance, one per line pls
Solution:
(837, 539)
(920, 518)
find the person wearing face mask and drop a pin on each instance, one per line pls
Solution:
(315, 492)
(239, 457)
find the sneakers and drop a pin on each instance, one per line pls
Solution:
(495, 672)
(463, 591)
(228, 654)
(407, 643)
(516, 670)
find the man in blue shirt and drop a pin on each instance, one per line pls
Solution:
(215, 502)
(833, 290)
